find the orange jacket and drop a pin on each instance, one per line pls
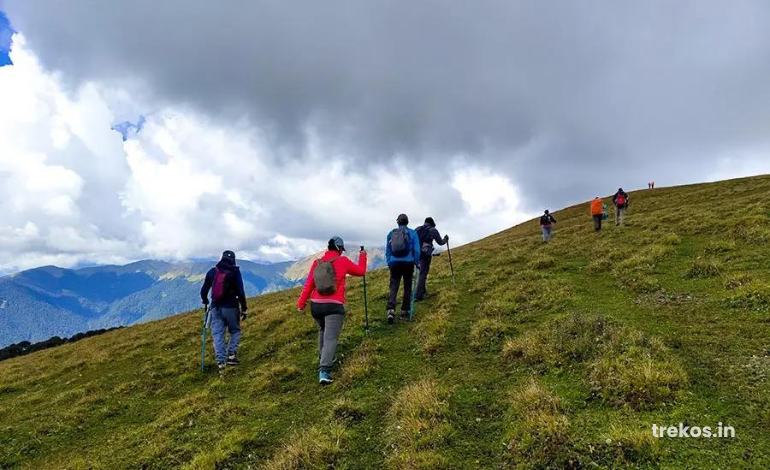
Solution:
(596, 207)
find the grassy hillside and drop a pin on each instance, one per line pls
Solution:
(551, 355)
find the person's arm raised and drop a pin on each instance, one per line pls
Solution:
(360, 268)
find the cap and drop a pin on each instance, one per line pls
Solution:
(338, 242)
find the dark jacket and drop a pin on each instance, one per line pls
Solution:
(428, 234)
(615, 198)
(547, 219)
(234, 294)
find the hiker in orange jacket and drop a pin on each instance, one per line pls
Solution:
(597, 212)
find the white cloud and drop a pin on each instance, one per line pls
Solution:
(185, 186)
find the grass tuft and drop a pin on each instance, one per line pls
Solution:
(538, 433)
(487, 333)
(718, 247)
(318, 447)
(346, 410)
(702, 269)
(624, 366)
(542, 261)
(433, 327)
(752, 297)
(418, 427)
(360, 363)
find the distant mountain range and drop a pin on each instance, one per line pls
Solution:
(50, 301)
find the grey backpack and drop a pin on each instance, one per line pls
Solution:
(324, 277)
(399, 242)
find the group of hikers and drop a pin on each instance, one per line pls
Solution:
(406, 249)
(598, 213)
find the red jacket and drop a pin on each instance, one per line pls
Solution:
(342, 267)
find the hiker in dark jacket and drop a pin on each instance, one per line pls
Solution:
(427, 233)
(620, 200)
(226, 286)
(546, 225)
(402, 253)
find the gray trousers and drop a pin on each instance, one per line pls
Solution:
(619, 213)
(329, 318)
(547, 231)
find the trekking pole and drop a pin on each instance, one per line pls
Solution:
(414, 292)
(451, 267)
(203, 335)
(366, 305)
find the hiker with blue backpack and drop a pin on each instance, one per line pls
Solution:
(427, 234)
(402, 253)
(325, 288)
(226, 285)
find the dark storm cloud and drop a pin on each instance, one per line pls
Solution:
(567, 98)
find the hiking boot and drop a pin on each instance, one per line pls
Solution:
(324, 378)
(232, 360)
(404, 315)
(391, 316)
(221, 366)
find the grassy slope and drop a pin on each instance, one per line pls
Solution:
(543, 355)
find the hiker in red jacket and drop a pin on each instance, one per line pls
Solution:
(325, 287)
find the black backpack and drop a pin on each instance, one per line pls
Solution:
(426, 242)
(399, 242)
(423, 233)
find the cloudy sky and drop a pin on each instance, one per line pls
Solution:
(176, 129)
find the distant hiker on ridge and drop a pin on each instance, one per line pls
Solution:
(427, 234)
(546, 225)
(597, 212)
(402, 253)
(620, 200)
(325, 287)
(226, 285)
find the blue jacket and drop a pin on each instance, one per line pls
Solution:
(412, 257)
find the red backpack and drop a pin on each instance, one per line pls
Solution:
(620, 201)
(218, 289)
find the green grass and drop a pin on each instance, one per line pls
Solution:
(543, 355)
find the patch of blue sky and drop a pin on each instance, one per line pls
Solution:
(6, 34)
(129, 129)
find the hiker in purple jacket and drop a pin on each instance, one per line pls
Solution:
(227, 295)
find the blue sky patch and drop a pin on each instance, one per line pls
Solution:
(128, 129)
(5, 39)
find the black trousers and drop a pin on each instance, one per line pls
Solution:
(422, 279)
(598, 222)
(399, 271)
